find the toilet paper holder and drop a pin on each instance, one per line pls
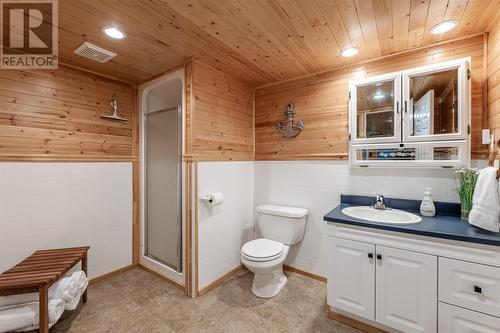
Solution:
(206, 199)
(213, 199)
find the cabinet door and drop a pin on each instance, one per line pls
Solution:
(406, 289)
(453, 319)
(375, 109)
(436, 102)
(351, 277)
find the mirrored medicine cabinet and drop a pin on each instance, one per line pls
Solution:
(416, 117)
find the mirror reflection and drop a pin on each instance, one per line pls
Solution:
(433, 103)
(375, 110)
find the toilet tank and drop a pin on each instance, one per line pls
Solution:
(282, 223)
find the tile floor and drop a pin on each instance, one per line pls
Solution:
(137, 301)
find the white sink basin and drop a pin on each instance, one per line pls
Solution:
(390, 216)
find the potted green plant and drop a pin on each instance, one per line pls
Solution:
(466, 183)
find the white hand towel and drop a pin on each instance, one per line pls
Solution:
(26, 315)
(485, 211)
(65, 288)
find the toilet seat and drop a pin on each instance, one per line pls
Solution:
(262, 249)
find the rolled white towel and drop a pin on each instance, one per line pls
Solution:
(16, 317)
(25, 316)
(73, 303)
(65, 288)
(81, 281)
(32, 328)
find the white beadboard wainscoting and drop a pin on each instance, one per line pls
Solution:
(64, 204)
(222, 230)
(317, 186)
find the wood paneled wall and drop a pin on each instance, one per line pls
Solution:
(494, 77)
(55, 115)
(219, 117)
(321, 101)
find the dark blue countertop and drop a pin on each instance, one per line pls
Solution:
(446, 224)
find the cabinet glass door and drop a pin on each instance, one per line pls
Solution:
(375, 110)
(434, 103)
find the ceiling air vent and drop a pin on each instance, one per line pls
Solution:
(93, 52)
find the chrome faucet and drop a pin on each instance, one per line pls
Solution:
(379, 204)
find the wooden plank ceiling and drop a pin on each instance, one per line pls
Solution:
(260, 41)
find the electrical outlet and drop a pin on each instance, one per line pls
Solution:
(486, 136)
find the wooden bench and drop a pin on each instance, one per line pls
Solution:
(38, 272)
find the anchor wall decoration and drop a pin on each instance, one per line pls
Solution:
(289, 129)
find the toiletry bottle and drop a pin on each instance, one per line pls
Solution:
(427, 207)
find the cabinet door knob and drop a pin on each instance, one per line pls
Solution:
(370, 255)
(478, 289)
(379, 256)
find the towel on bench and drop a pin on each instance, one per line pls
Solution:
(66, 288)
(26, 316)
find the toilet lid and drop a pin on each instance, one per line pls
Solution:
(262, 248)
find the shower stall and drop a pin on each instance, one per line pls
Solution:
(162, 225)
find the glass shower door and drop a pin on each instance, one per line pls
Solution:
(163, 187)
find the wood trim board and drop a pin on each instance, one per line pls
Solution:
(136, 212)
(188, 267)
(196, 235)
(43, 158)
(220, 280)
(136, 179)
(353, 322)
(112, 274)
(304, 273)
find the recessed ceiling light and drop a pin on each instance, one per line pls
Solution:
(350, 51)
(443, 27)
(113, 32)
(378, 96)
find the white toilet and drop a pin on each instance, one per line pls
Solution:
(281, 227)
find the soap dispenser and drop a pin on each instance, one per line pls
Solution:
(427, 207)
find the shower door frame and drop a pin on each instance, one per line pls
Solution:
(182, 280)
(180, 174)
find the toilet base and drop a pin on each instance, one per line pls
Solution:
(267, 285)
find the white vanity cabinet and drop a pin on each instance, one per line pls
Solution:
(404, 283)
(383, 284)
